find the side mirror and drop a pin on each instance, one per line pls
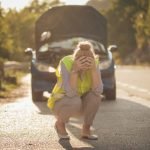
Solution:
(113, 48)
(28, 51)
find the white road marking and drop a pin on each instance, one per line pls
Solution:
(133, 87)
(139, 100)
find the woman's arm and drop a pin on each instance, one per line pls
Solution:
(97, 84)
(69, 91)
(73, 79)
(96, 78)
(69, 78)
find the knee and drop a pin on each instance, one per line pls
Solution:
(91, 100)
(96, 96)
(67, 106)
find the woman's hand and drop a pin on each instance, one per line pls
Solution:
(84, 63)
(80, 64)
(90, 63)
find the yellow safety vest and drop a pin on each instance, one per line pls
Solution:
(83, 85)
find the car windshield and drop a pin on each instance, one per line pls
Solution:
(69, 45)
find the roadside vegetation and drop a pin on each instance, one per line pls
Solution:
(11, 77)
(16, 34)
(128, 28)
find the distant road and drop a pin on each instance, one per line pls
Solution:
(136, 80)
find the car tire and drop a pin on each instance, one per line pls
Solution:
(37, 96)
(110, 94)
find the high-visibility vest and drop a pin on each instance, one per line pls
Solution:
(83, 85)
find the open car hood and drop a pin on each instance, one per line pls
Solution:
(71, 21)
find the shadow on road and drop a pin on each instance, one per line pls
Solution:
(43, 109)
(66, 145)
(119, 124)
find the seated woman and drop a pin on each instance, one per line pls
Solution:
(78, 90)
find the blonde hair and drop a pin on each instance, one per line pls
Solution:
(84, 48)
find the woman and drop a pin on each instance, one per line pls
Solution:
(78, 89)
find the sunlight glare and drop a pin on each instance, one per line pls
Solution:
(74, 2)
(17, 4)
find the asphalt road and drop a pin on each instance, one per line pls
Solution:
(135, 80)
(123, 124)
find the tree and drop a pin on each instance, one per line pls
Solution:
(5, 43)
(120, 26)
(17, 28)
(128, 24)
(141, 23)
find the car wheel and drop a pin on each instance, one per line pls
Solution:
(110, 94)
(37, 96)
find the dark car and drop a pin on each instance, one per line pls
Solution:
(57, 32)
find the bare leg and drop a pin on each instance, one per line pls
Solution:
(60, 125)
(64, 109)
(86, 129)
(91, 104)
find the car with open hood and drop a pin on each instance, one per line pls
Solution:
(57, 32)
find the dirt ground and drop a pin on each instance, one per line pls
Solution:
(13, 95)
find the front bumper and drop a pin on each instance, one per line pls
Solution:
(42, 81)
(108, 77)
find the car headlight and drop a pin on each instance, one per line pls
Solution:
(45, 67)
(105, 64)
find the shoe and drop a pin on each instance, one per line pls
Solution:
(90, 137)
(61, 136)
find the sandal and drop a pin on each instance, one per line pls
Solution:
(61, 136)
(90, 137)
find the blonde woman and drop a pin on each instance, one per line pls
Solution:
(77, 91)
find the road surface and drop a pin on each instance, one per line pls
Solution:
(123, 124)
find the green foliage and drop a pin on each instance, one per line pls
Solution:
(129, 27)
(11, 81)
(5, 44)
(17, 28)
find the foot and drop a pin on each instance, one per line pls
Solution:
(90, 137)
(86, 130)
(61, 130)
(86, 133)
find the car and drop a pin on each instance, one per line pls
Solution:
(57, 32)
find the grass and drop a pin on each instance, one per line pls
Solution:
(10, 82)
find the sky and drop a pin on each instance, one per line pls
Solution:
(19, 4)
